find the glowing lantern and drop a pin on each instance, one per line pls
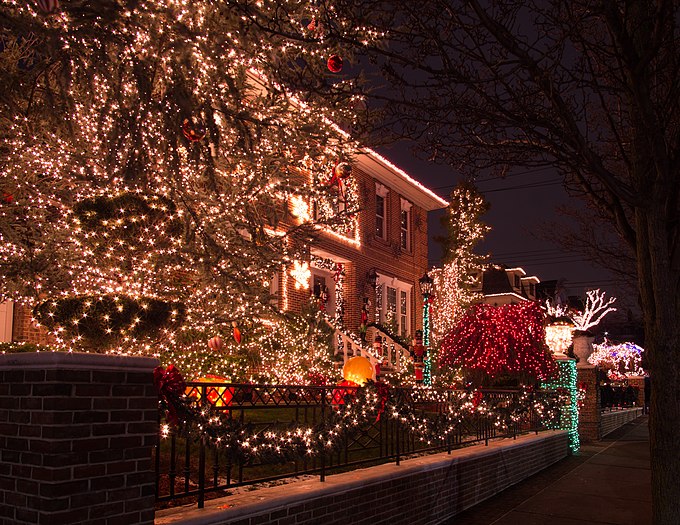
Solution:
(340, 394)
(558, 336)
(219, 396)
(359, 370)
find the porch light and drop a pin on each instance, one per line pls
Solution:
(426, 285)
(372, 277)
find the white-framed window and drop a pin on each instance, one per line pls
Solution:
(405, 225)
(393, 304)
(381, 193)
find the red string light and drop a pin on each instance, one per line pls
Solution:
(500, 339)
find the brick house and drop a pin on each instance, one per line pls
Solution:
(377, 262)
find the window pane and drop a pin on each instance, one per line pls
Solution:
(404, 229)
(380, 216)
(390, 315)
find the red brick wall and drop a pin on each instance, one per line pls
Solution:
(25, 330)
(424, 490)
(76, 438)
(589, 411)
(617, 418)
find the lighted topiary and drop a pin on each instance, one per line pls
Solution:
(500, 340)
(102, 321)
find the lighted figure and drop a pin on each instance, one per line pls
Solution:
(323, 298)
(418, 352)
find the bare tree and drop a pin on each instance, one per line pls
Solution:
(589, 87)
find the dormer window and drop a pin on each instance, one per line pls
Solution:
(517, 283)
(381, 210)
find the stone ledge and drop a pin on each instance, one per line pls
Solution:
(76, 361)
(260, 501)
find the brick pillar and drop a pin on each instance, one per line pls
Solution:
(76, 438)
(589, 413)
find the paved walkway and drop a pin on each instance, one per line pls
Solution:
(606, 483)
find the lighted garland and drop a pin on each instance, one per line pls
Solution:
(355, 409)
(500, 339)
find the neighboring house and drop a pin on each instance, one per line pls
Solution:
(501, 285)
(377, 258)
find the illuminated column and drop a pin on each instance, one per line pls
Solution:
(426, 288)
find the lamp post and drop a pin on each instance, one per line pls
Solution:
(426, 288)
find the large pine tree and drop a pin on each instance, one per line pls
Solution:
(149, 152)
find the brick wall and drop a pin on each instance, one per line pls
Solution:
(617, 418)
(25, 330)
(589, 411)
(425, 490)
(76, 439)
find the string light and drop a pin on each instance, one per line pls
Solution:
(136, 182)
(620, 360)
(500, 339)
(565, 384)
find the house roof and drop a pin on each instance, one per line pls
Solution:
(384, 171)
(496, 281)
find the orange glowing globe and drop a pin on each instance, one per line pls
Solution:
(358, 370)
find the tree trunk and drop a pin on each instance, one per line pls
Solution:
(658, 278)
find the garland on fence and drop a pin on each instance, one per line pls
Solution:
(353, 409)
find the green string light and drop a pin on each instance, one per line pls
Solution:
(566, 381)
(427, 369)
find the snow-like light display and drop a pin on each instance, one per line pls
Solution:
(621, 360)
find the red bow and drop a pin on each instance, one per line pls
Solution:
(383, 391)
(170, 386)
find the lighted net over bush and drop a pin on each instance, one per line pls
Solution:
(499, 340)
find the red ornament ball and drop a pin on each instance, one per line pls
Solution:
(193, 129)
(47, 6)
(215, 343)
(334, 63)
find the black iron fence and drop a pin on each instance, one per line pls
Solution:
(192, 463)
(617, 397)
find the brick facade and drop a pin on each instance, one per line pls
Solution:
(425, 490)
(76, 439)
(610, 421)
(25, 330)
(385, 255)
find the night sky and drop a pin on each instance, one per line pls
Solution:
(522, 205)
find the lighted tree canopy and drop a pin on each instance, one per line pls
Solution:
(507, 339)
(148, 150)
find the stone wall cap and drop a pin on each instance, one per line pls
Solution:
(76, 361)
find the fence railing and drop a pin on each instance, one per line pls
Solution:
(616, 397)
(190, 465)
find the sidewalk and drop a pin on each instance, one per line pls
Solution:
(606, 483)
